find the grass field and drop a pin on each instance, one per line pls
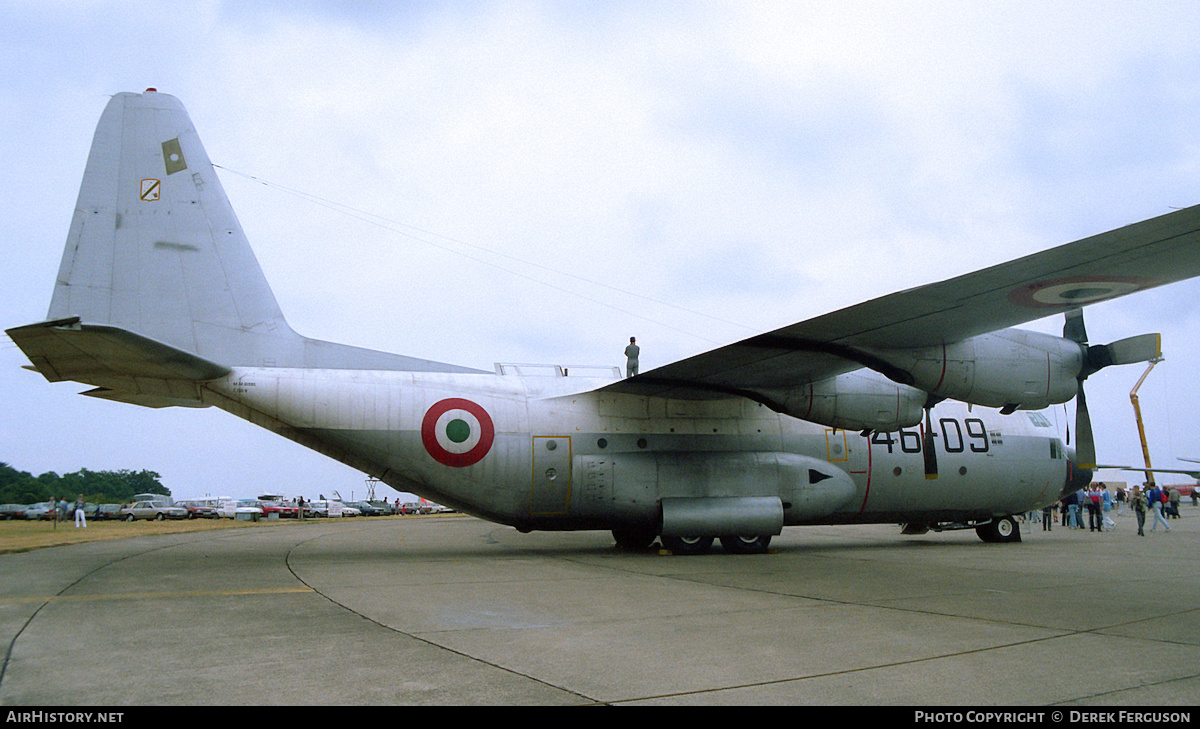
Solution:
(22, 536)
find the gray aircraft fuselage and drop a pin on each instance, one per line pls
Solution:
(554, 453)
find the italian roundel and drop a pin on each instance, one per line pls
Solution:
(457, 432)
(1077, 290)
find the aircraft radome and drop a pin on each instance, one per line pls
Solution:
(857, 416)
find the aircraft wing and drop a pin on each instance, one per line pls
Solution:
(1133, 258)
(1193, 473)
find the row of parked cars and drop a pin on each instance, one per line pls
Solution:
(46, 510)
(255, 509)
(249, 509)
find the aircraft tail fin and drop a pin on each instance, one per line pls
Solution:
(154, 246)
(155, 251)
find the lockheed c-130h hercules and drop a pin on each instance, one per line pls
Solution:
(917, 408)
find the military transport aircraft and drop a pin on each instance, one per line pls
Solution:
(918, 408)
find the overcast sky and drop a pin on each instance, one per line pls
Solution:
(478, 182)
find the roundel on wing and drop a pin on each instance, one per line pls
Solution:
(457, 432)
(1076, 290)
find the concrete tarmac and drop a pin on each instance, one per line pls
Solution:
(457, 611)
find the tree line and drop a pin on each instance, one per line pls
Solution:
(100, 487)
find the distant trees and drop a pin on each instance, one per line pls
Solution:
(18, 487)
(102, 487)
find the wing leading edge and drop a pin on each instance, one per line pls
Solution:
(1140, 256)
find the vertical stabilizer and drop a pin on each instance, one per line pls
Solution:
(156, 250)
(154, 246)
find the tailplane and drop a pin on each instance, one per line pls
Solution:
(157, 272)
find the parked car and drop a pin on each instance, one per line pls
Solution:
(239, 509)
(107, 511)
(384, 507)
(249, 509)
(330, 507)
(365, 508)
(40, 510)
(12, 511)
(282, 509)
(152, 510)
(89, 511)
(197, 510)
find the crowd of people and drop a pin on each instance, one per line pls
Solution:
(1148, 501)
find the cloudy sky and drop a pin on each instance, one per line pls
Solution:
(477, 182)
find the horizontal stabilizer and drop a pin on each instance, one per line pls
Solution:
(125, 366)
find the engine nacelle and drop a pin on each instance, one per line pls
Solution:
(1006, 369)
(859, 400)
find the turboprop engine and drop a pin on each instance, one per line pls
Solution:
(1009, 369)
(860, 400)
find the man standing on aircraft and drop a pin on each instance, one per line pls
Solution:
(631, 357)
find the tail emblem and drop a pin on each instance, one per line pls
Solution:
(150, 191)
(457, 432)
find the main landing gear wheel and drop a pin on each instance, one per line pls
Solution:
(687, 545)
(1003, 529)
(746, 545)
(634, 539)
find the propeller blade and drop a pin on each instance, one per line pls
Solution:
(1085, 446)
(1073, 329)
(1142, 348)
